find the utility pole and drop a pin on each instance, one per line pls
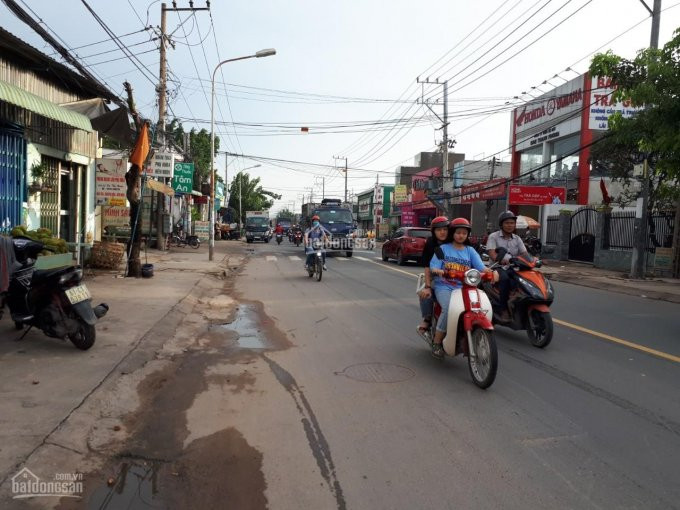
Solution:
(445, 145)
(323, 188)
(162, 77)
(493, 163)
(639, 256)
(342, 157)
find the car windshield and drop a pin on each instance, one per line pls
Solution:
(335, 216)
(422, 234)
(258, 221)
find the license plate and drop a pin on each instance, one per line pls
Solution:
(78, 294)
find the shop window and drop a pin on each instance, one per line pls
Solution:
(529, 160)
(563, 166)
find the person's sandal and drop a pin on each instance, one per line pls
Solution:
(424, 331)
(437, 350)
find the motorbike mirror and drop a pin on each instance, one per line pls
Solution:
(500, 253)
(538, 263)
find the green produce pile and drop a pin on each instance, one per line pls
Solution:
(43, 235)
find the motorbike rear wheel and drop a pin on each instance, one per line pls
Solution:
(484, 366)
(319, 269)
(194, 242)
(84, 338)
(540, 328)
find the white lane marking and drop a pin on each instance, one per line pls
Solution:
(362, 258)
(341, 259)
(271, 258)
(294, 257)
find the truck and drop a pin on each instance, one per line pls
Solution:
(285, 223)
(335, 217)
(257, 226)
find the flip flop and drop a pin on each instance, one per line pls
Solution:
(424, 333)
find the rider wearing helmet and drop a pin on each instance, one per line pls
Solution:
(506, 238)
(316, 231)
(457, 254)
(440, 231)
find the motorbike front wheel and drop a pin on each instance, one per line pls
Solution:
(194, 242)
(319, 269)
(484, 364)
(84, 337)
(540, 328)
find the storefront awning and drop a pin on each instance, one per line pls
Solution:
(23, 99)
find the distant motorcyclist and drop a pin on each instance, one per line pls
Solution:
(278, 229)
(315, 232)
(506, 238)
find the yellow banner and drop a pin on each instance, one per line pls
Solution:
(160, 187)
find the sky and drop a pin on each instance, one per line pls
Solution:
(347, 71)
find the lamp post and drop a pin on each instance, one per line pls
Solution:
(240, 182)
(262, 53)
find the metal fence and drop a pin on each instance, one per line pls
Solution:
(619, 231)
(552, 230)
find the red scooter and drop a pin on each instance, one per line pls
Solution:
(469, 330)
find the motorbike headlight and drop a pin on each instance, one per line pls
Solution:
(473, 277)
(531, 288)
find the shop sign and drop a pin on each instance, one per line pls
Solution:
(408, 219)
(162, 165)
(110, 187)
(536, 195)
(602, 106)
(488, 190)
(400, 193)
(202, 230)
(564, 100)
(183, 179)
(115, 216)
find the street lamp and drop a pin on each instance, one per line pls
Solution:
(240, 182)
(262, 53)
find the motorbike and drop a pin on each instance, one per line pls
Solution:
(180, 239)
(533, 245)
(469, 329)
(297, 238)
(52, 300)
(279, 238)
(529, 302)
(316, 269)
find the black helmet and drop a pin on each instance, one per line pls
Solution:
(506, 215)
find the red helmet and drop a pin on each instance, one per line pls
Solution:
(439, 221)
(460, 223)
(315, 217)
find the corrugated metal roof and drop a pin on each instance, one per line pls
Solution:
(37, 104)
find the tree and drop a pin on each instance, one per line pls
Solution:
(253, 196)
(652, 81)
(199, 148)
(286, 214)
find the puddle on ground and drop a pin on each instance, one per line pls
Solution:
(135, 487)
(245, 325)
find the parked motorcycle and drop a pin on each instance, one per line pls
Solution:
(279, 238)
(179, 238)
(529, 302)
(469, 329)
(316, 269)
(533, 245)
(52, 300)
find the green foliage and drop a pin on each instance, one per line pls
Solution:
(651, 80)
(43, 235)
(286, 214)
(253, 196)
(199, 142)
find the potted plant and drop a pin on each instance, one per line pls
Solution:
(38, 172)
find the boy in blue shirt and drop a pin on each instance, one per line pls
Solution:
(458, 255)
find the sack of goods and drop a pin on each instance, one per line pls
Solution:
(106, 255)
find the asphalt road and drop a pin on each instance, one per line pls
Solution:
(592, 421)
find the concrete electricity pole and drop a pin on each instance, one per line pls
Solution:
(444, 121)
(639, 256)
(341, 157)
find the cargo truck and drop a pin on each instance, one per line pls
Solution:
(337, 218)
(257, 226)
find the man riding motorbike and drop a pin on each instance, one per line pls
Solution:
(506, 238)
(440, 231)
(456, 254)
(316, 231)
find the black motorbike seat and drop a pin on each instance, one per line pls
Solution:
(44, 274)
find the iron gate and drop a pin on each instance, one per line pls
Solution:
(582, 235)
(12, 178)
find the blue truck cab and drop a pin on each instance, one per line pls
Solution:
(338, 220)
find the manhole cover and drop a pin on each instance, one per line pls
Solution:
(377, 372)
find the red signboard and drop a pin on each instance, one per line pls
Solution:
(536, 195)
(419, 184)
(488, 190)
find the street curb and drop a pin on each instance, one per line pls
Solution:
(613, 287)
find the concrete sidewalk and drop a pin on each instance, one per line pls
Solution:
(44, 381)
(666, 289)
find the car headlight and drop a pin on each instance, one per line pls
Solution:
(473, 277)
